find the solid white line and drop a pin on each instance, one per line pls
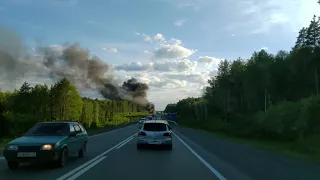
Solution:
(213, 170)
(79, 173)
(92, 160)
(124, 143)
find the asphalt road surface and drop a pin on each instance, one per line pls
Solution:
(195, 155)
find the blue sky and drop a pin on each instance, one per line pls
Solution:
(124, 31)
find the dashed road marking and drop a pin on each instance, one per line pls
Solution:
(124, 143)
(79, 173)
(65, 176)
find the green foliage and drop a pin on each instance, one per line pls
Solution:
(66, 101)
(21, 109)
(271, 97)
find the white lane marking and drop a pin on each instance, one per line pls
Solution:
(213, 170)
(109, 131)
(124, 143)
(63, 177)
(79, 173)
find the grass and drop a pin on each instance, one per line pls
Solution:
(307, 149)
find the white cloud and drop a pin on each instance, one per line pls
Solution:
(183, 65)
(166, 49)
(134, 66)
(159, 37)
(209, 60)
(179, 22)
(264, 48)
(195, 78)
(172, 51)
(111, 50)
(208, 64)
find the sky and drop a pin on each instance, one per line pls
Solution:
(173, 45)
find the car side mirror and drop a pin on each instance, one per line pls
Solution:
(72, 134)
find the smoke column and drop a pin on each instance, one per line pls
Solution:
(70, 61)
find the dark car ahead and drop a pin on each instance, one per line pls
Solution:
(47, 142)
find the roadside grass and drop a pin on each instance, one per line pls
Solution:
(307, 149)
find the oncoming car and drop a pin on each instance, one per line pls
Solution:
(142, 120)
(156, 133)
(47, 142)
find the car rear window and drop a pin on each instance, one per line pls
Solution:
(155, 127)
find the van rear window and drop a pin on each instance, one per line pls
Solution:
(154, 127)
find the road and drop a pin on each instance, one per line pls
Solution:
(195, 155)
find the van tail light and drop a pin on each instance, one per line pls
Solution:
(167, 134)
(142, 134)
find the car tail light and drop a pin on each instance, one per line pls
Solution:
(167, 134)
(142, 134)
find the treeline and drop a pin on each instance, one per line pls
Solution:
(272, 96)
(21, 109)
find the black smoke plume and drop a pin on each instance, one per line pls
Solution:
(70, 61)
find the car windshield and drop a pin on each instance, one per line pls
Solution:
(49, 129)
(155, 127)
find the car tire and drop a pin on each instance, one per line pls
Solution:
(63, 159)
(83, 150)
(169, 147)
(13, 165)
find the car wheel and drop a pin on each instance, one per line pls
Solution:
(63, 160)
(83, 151)
(169, 147)
(13, 164)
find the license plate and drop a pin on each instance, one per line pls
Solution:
(27, 154)
(154, 142)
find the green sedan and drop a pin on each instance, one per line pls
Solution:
(47, 142)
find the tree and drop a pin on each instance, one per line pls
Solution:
(269, 96)
(67, 101)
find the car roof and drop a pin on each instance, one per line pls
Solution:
(157, 121)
